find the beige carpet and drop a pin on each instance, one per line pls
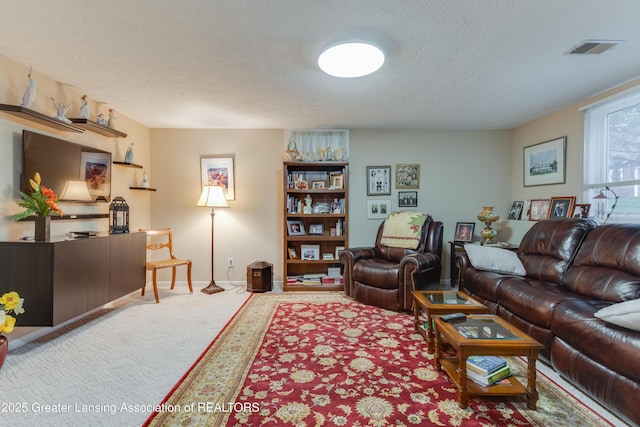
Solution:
(112, 368)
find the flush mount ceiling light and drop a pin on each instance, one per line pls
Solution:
(353, 59)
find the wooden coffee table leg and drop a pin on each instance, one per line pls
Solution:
(437, 352)
(463, 394)
(430, 335)
(532, 398)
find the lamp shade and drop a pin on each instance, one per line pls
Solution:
(76, 190)
(212, 196)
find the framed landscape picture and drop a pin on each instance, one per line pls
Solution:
(544, 163)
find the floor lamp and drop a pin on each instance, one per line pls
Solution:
(212, 196)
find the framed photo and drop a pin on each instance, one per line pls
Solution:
(95, 168)
(337, 180)
(464, 231)
(338, 249)
(407, 199)
(407, 177)
(337, 207)
(317, 229)
(378, 180)
(581, 210)
(378, 209)
(316, 185)
(561, 207)
(219, 170)
(516, 210)
(310, 252)
(292, 253)
(544, 163)
(539, 209)
(295, 227)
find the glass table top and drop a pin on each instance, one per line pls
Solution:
(451, 298)
(483, 329)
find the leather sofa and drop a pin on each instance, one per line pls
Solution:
(385, 276)
(573, 269)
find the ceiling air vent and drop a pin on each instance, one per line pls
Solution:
(593, 47)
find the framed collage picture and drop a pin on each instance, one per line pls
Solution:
(378, 180)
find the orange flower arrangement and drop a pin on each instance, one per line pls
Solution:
(41, 202)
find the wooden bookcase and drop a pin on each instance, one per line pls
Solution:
(314, 180)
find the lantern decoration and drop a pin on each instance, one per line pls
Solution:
(118, 216)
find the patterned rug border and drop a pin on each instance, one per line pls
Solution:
(243, 334)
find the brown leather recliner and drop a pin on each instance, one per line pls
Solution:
(385, 276)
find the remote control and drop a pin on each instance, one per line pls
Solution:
(453, 317)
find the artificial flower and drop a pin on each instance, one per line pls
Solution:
(41, 202)
(9, 302)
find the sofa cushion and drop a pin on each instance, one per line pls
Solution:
(548, 248)
(494, 259)
(607, 265)
(625, 314)
(377, 272)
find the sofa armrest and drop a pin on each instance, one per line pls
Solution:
(348, 258)
(463, 264)
(419, 272)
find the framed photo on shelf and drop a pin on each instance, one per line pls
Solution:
(516, 210)
(539, 209)
(310, 252)
(378, 209)
(218, 170)
(337, 181)
(292, 253)
(338, 249)
(407, 199)
(544, 163)
(378, 180)
(561, 207)
(581, 210)
(316, 229)
(337, 207)
(295, 227)
(95, 168)
(407, 177)
(464, 231)
(317, 185)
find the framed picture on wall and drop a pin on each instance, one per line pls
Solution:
(219, 170)
(378, 180)
(407, 177)
(544, 163)
(95, 168)
(378, 209)
(407, 199)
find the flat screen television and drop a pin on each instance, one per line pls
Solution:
(59, 161)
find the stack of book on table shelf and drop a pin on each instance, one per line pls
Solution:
(487, 370)
(314, 279)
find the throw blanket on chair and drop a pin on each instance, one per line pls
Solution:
(403, 229)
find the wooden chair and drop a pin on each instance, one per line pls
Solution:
(172, 262)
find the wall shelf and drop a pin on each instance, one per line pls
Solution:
(70, 217)
(142, 188)
(98, 128)
(128, 165)
(34, 116)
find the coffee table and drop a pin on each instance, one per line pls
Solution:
(441, 302)
(486, 335)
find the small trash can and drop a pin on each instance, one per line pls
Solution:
(259, 276)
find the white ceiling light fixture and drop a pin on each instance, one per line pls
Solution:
(351, 59)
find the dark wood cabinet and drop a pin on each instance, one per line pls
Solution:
(60, 280)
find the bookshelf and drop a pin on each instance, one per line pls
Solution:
(316, 210)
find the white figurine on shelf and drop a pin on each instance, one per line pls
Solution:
(84, 108)
(128, 156)
(61, 110)
(101, 120)
(29, 92)
(145, 181)
(112, 117)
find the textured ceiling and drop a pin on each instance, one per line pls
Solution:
(456, 64)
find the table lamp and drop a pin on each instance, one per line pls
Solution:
(212, 196)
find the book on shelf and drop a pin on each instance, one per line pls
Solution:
(332, 280)
(485, 365)
(487, 380)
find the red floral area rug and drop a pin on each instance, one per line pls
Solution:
(321, 359)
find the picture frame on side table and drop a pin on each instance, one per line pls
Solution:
(544, 163)
(407, 177)
(295, 227)
(378, 180)
(219, 169)
(516, 210)
(95, 168)
(464, 232)
(407, 199)
(561, 207)
(581, 210)
(378, 209)
(310, 252)
(539, 209)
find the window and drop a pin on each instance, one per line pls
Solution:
(612, 157)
